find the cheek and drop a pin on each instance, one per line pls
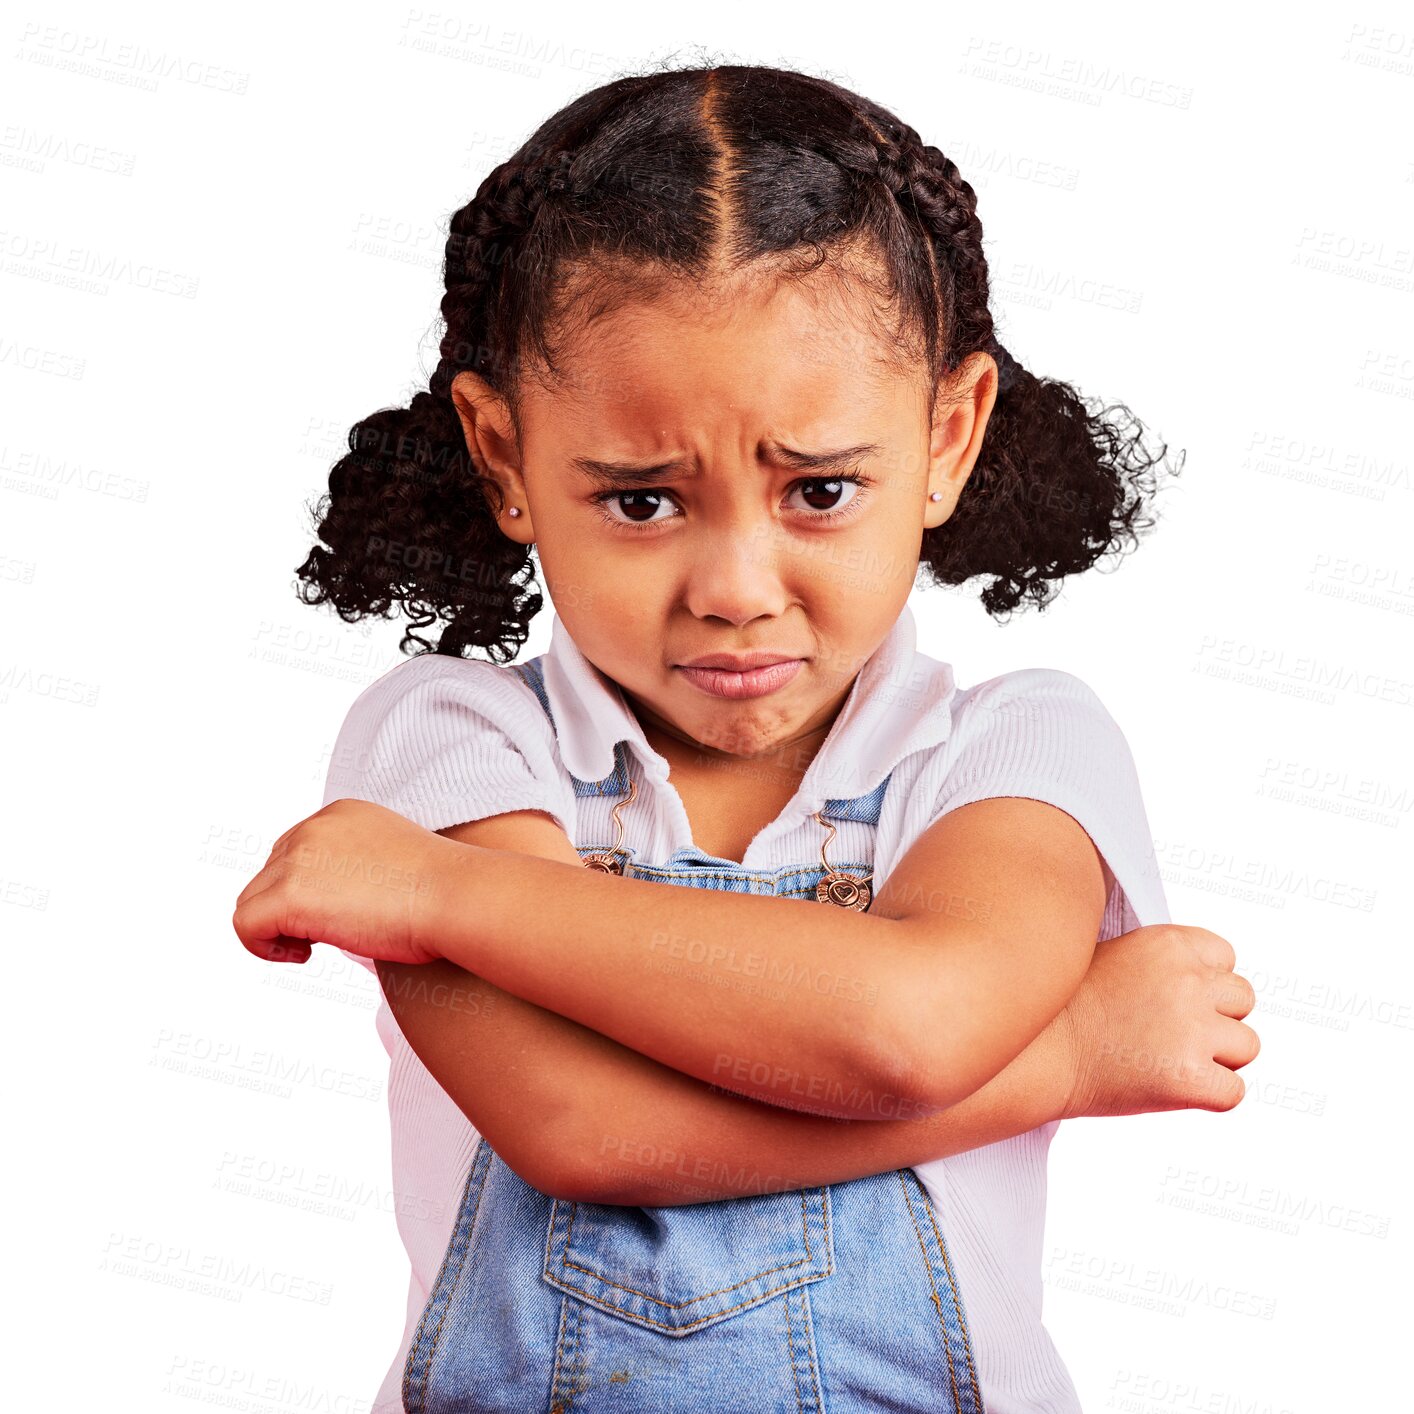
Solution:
(602, 576)
(615, 629)
(574, 564)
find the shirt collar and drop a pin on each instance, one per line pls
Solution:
(900, 703)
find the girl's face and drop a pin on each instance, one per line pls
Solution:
(746, 476)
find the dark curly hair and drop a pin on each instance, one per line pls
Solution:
(654, 176)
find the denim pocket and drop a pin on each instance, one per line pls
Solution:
(679, 1269)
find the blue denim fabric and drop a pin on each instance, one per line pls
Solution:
(829, 1300)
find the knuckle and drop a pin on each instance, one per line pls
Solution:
(1175, 935)
(1229, 1094)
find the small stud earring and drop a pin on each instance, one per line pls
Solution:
(514, 510)
(935, 496)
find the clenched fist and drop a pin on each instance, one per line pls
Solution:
(356, 875)
(1157, 1024)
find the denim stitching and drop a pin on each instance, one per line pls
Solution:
(810, 1324)
(956, 1301)
(579, 1375)
(594, 1299)
(460, 1245)
(933, 1286)
(790, 1351)
(573, 1318)
(556, 1403)
(708, 1320)
(691, 1301)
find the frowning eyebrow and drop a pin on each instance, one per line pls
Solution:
(628, 474)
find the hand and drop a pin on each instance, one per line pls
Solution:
(1155, 1025)
(355, 875)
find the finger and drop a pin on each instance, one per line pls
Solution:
(1237, 1045)
(281, 844)
(266, 879)
(257, 925)
(1233, 994)
(1213, 948)
(289, 950)
(281, 950)
(1219, 1089)
(276, 949)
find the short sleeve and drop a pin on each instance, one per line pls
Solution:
(1045, 735)
(444, 740)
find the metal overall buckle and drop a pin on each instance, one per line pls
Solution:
(838, 887)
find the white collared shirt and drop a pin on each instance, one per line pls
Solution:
(444, 740)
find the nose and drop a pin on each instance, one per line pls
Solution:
(735, 572)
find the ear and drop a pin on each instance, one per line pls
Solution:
(491, 441)
(964, 404)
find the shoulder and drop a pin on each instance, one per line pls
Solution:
(1042, 733)
(434, 723)
(1045, 734)
(436, 683)
(433, 690)
(1030, 691)
(1038, 720)
(1032, 712)
(1031, 719)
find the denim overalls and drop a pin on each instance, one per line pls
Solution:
(831, 1300)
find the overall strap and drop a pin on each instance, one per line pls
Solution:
(864, 807)
(532, 671)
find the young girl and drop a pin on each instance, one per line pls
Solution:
(719, 345)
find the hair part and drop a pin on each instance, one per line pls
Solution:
(710, 175)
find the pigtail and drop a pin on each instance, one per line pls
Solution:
(1058, 486)
(1059, 483)
(408, 519)
(405, 522)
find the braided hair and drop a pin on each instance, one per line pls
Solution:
(680, 174)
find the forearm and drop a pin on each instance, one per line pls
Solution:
(803, 1006)
(582, 1117)
(657, 1138)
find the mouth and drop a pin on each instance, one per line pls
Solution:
(740, 675)
(740, 662)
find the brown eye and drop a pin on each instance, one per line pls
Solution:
(640, 511)
(638, 507)
(823, 494)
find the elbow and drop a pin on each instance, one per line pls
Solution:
(930, 1065)
(917, 1084)
(571, 1183)
(556, 1175)
(948, 1087)
(547, 1158)
(896, 1072)
(579, 1181)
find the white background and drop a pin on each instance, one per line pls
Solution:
(222, 236)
